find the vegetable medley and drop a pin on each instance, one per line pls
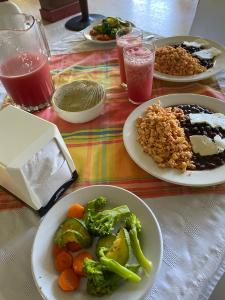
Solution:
(107, 29)
(116, 233)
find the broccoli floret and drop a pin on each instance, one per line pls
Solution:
(133, 226)
(102, 223)
(115, 267)
(100, 281)
(93, 206)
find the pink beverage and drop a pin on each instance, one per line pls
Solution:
(27, 79)
(139, 66)
(126, 37)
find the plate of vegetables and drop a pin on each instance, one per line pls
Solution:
(104, 30)
(99, 241)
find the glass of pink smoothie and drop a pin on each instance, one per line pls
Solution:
(24, 66)
(139, 66)
(129, 36)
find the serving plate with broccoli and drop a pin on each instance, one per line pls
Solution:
(104, 30)
(99, 241)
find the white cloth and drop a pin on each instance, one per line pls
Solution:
(193, 229)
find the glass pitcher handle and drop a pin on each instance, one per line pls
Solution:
(42, 32)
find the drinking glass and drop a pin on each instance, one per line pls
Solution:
(24, 67)
(127, 36)
(139, 66)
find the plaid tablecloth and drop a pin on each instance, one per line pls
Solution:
(100, 157)
(97, 146)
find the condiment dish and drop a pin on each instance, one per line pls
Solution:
(79, 101)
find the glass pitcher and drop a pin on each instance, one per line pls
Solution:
(24, 66)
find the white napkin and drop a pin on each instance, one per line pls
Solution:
(193, 229)
(47, 171)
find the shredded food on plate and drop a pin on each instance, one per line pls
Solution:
(161, 136)
(177, 62)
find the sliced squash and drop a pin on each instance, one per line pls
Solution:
(105, 242)
(120, 249)
(73, 230)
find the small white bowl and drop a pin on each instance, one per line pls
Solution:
(85, 95)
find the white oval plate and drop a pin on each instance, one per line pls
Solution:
(188, 178)
(219, 64)
(88, 37)
(43, 270)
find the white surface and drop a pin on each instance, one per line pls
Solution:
(218, 66)
(188, 178)
(194, 246)
(8, 7)
(42, 262)
(209, 20)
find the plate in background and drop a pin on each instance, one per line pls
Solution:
(218, 66)
(90, 38)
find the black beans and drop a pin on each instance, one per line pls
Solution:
(207, 63)
(202, 162)
(191, 49)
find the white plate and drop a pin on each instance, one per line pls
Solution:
(87, 35)
(188, 178)
(43, 270)
(219, 64)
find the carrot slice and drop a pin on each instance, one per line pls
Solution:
(68, 280)
(56, 250)
(78, 262)
(73, 246)
(64, 260)
(75, 211)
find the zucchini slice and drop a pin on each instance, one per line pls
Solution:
(73, 230)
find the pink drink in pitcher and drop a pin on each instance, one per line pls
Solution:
(139, 66)
(126, 37)
(27, 79)
(24, 68)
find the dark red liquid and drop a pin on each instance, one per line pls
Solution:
(27, 79)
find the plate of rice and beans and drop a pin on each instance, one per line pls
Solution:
(187, 58)
(178, 138)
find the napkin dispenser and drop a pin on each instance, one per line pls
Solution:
(35, 164)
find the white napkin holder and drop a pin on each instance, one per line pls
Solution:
(35, 164)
